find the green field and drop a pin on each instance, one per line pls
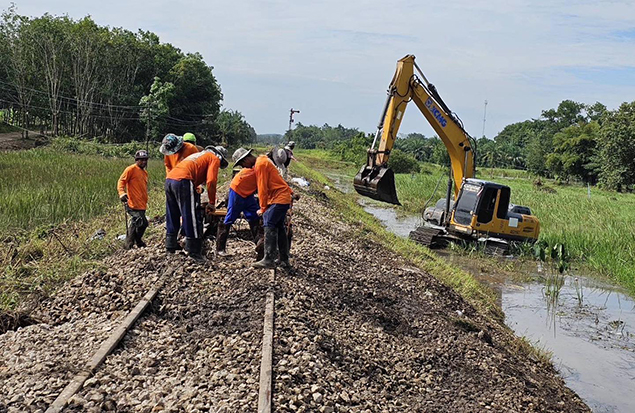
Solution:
(598, 231)
(52, 202)
(43, 186)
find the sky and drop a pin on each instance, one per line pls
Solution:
(333, 59)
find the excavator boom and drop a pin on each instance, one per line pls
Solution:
(376, 180)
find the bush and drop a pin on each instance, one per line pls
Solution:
(402, 163)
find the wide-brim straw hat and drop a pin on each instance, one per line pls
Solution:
(279, 157)
(240, 154)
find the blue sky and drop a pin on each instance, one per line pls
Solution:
(333, 60)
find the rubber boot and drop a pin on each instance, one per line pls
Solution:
(283, 248)
(289, 232)
(194, 248)
(257, 231)
(171, 243)
(271, 245)
(260, 249)
(221, 238)
(138, 234)
(130, 238)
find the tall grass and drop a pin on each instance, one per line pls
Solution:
(599, 232)
(45, 186)
(51, 202)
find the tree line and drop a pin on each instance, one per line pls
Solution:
(573, 142)
(76, 78)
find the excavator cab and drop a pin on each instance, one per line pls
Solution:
(376, 181)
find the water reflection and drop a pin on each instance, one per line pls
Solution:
(594, 348)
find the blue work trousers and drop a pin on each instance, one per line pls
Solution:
(237, 204)
(274, 215)
(182, 200)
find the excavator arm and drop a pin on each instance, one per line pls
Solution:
(376, 180)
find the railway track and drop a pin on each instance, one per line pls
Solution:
(96, 361)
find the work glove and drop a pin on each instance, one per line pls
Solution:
(124, 198)
(210, 209)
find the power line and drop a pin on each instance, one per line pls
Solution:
(69, 112)
(69, 98)
(104, 105)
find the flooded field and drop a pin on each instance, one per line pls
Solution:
(589, 329)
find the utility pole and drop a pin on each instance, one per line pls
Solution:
(291, 112)
(484, 114)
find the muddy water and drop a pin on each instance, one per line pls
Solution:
(590, 330)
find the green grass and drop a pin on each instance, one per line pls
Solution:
(52, 202)
(46, 187)
(598, 232)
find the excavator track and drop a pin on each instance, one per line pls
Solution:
(428, 236)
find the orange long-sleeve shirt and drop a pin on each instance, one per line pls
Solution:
(171, 161)
(200, 168)
(272, 189)
(244, 183)
(134, 182)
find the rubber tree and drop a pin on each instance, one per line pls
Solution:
(155, 108)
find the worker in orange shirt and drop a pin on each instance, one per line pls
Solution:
(133, 192)
(175, 150)
(241, 199)
(275, 198)
(182, 199)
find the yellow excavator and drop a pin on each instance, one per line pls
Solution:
(480, 210)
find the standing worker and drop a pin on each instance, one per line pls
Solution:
(241, 199)
(182, 199)
(190, 138)
(275, 198)
(289, 150)
(133, 192)
(175, 150)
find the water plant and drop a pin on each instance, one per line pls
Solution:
(579, 292)
(556, 262)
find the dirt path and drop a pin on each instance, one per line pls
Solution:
(354, 331)
(14, 141)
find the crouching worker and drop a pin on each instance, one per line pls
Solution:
(133, 192)
(241, 199)
(275, 198)
(182, 199)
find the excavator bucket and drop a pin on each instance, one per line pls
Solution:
(378, 183)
